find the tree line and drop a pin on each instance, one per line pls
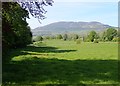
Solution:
(110, 34)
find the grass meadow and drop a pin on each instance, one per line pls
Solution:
(62, 62)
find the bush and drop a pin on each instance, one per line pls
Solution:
(96, 41)
(65, 37)
(78, 41)
(38, 38)
(75, 37)
(115, 39)
(59, 36)
(47, 37)
(86, 40)
(93, 35)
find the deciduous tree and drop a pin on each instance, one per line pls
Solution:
(109, 34)
(93, 35)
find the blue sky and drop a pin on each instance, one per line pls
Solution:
(104, 12)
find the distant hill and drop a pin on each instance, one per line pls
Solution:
(69, 27)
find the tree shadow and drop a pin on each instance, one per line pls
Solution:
(57, 71)
(46, 49)
(41, 70)
(36, 49)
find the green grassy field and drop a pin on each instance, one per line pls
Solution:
(63, 62)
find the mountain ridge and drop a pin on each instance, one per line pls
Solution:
(69, 27)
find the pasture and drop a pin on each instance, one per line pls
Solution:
(63, 62)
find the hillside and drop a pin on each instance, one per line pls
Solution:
(69, 27)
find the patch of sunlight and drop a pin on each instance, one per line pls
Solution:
(48, 82)
(106, 74)
(20, 58)
(24, 57)
(97, 81)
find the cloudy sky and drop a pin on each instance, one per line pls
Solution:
(104, 11)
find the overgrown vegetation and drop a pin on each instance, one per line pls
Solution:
(15, 30)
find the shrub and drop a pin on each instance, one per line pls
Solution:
(93, 35)
(75, 37)
(115, 39)
(65, 37)
(59, 36)
(96, 41)
(38, 38)
(47, 37)
(86, 40)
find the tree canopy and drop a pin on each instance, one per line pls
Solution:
(92, 35)
(14, 18)
(15, 29)
(109, 34)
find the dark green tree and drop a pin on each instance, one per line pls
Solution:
(93, 35)
(59, 36)
(15, 30)
(75, 36)
(109, 34)
(65, 37)
(14, 26)
(47, 37)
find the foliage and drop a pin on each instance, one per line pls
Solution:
(38, 38)
(47, 37)
(86, 39)
(15, 30)
(65, 37)
(109, 34)
(96, 41)
(59, 36)
(75, 36)
(24, 37)
(115, 39)
(93, 35)
(52, 37)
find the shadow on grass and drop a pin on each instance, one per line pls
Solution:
(36, 49)
(49, 71)
(56, 71)
(45, 49)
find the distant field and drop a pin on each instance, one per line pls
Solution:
(63, 62)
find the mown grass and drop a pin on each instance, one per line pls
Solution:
(62, 62)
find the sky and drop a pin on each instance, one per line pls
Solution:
(102, 11)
